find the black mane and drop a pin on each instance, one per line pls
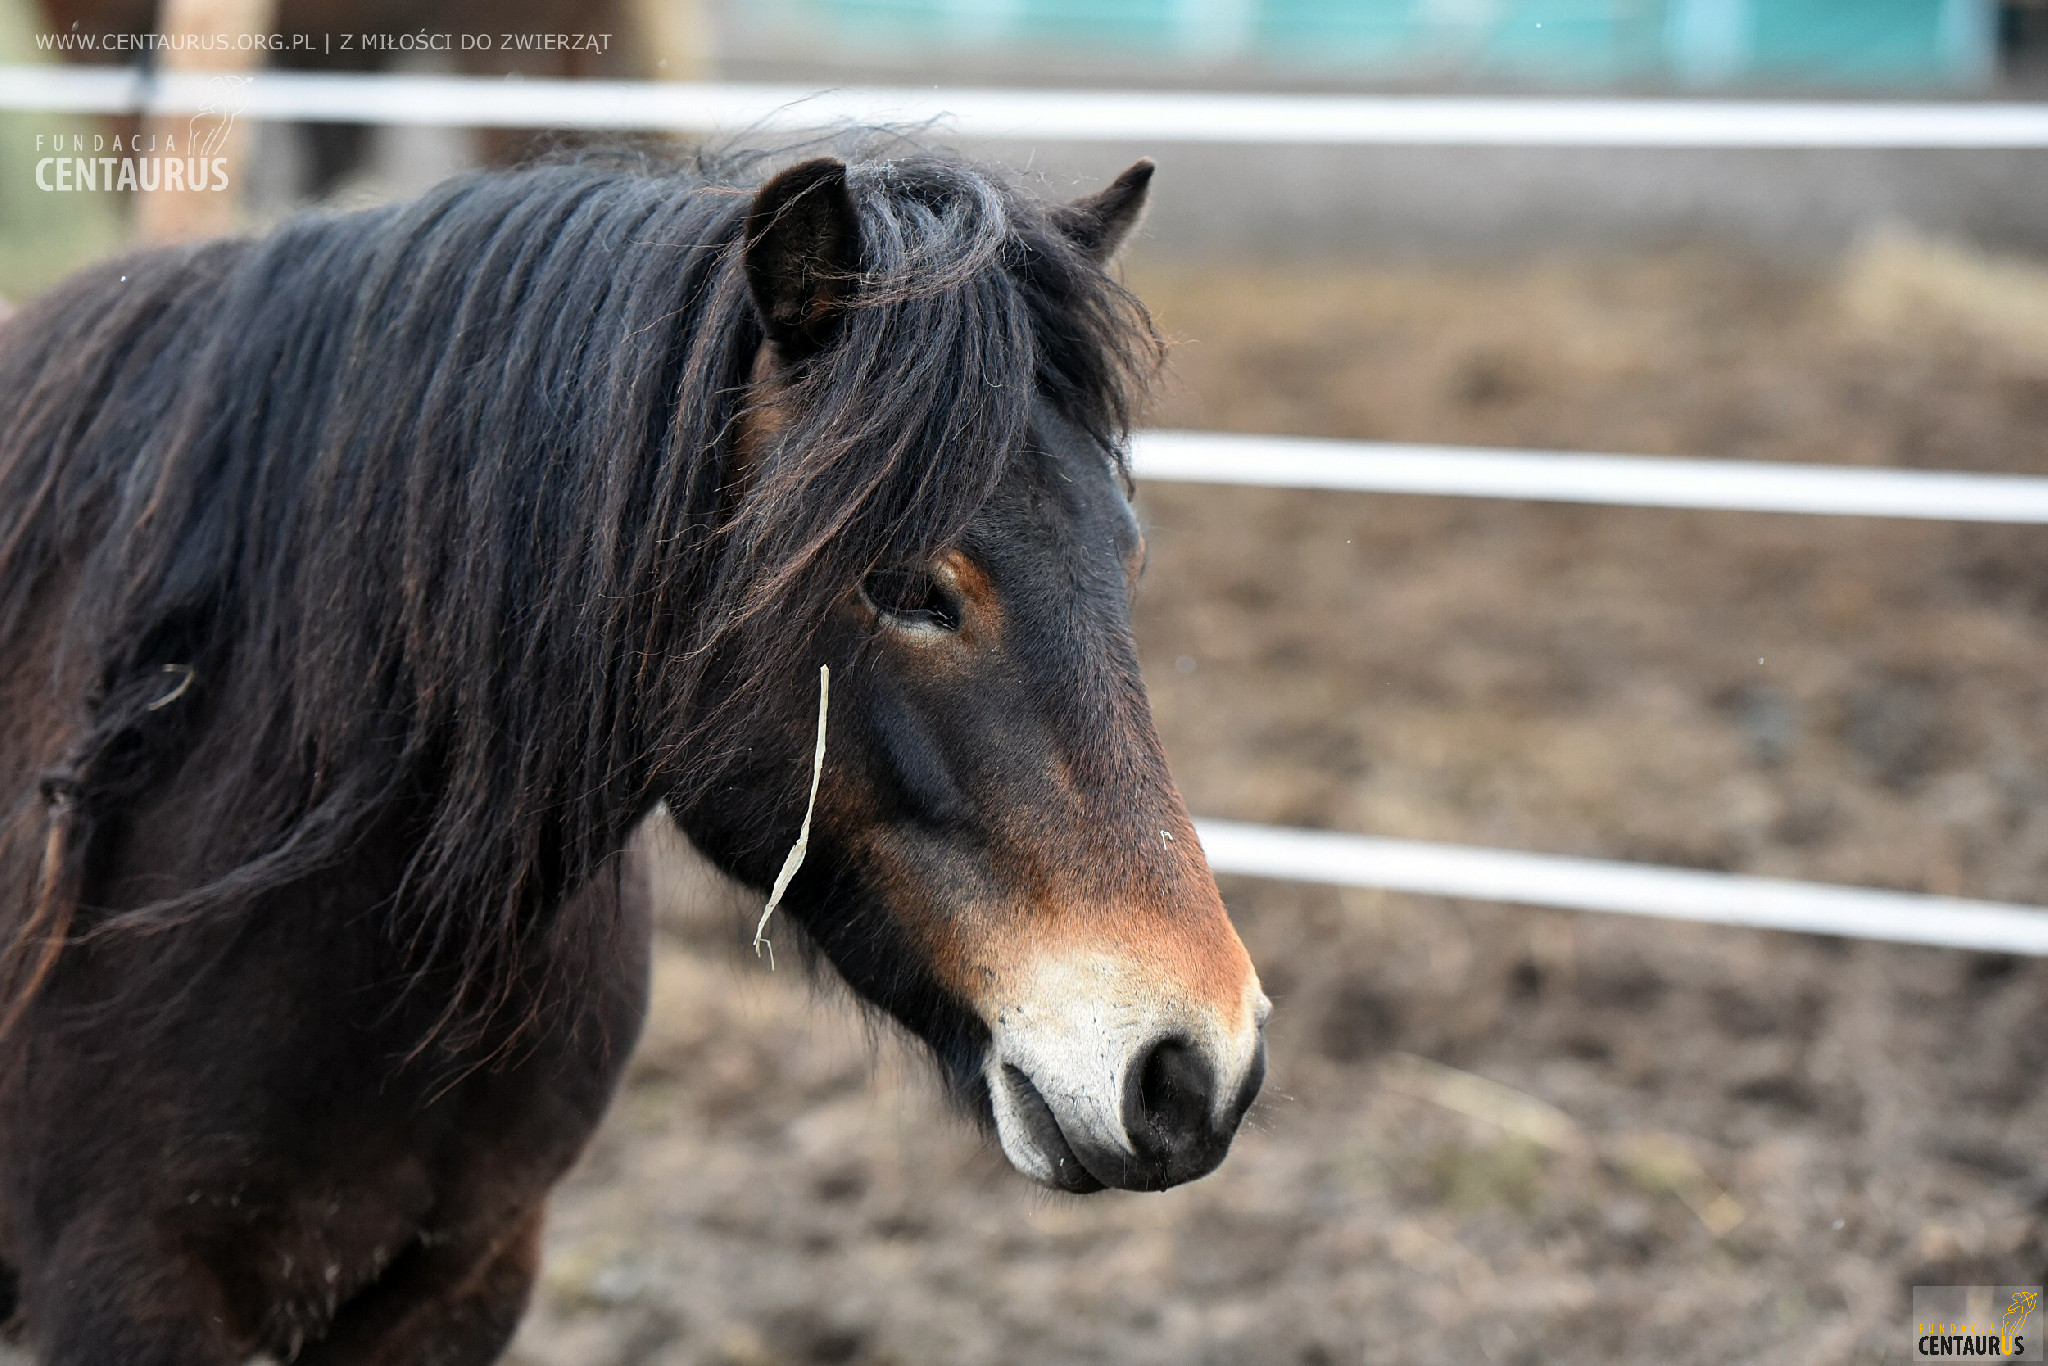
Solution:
(437, 506)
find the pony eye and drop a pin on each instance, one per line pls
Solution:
(911, 597)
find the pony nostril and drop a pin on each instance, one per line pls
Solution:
(1170, 1098)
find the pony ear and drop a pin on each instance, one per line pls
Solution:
(803, 255)
(1099, 223)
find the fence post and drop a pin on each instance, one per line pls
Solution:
(673, 38)
(222, 37)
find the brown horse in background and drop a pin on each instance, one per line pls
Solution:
(365, 586)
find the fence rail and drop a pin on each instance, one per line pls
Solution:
(1582, 884)
(1036, 115)
(1575, 477)
(1460, 871)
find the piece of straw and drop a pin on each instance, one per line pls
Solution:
(185, 676)
(1516, 1112)
(795, 860)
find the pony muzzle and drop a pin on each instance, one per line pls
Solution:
(1092, 1088)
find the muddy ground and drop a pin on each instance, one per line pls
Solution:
(1712, 1145)
(1685, 1145)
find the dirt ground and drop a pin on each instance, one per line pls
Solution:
(1705, 1145)
(1490, 1134)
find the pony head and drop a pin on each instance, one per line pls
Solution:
(998, 857)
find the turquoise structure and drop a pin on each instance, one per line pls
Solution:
(1814, 44)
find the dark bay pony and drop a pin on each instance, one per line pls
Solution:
(365, 586)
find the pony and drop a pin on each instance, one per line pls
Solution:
(364, 587)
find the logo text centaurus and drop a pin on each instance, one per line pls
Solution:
(131, 173)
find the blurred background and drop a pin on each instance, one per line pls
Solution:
(1253, 200)
(1490, 1133)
